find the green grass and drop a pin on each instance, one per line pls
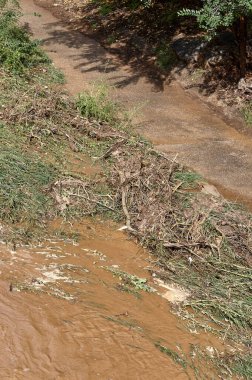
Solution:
(17, 52)
(247, 113)
(243, 367)
(173, 355)
(189, 179)
(222, 295)
(24, 179)
(51, 74)
(105, 9)
(111, 39)
(96, 104)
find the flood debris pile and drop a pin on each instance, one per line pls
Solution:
(200, 241)
(78, 197)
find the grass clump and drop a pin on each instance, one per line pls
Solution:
(24, 179)
(189, 179)
(105, 9)
(97, 105)
(223, 296)
(173, 355)
(242, 367)
(247, 113)
(17, 52)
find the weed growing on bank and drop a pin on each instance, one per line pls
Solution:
(97, 105)
(247, 113)
(17, 52)
(24, 180)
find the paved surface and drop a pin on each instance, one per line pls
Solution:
(174, 120)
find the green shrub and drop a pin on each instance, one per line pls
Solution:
(17, 52)
(166, 57)
(105, 9)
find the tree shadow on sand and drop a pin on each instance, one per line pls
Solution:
(137, 38)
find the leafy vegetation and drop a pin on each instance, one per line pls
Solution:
(132, 281)
(17, 51)
(217, 14)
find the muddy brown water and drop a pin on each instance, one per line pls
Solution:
(65, 317)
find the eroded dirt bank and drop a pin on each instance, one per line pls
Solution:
(177, 122)
(75, 322)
